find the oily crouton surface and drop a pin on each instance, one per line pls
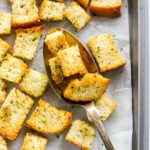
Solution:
(84, 3)
(3, 87)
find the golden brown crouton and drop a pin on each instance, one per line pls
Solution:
(56, 42)
(84, 3)
(80, 134)
(33, 141)
(12, 69)
(71, 61)
(51, 10)
(34, 83)
(5, 23)
(107, 8)
(105, 106)
(105, 52)
(24, 13)
(26, 42)
(88, 88)
(77, 15)
(4, 48)
(13, 113)
(56, 71)
(3, 145)
(48, 119)
(3, 86)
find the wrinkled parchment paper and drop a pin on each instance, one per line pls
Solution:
(119, 125)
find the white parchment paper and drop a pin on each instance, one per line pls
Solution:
(119, 125)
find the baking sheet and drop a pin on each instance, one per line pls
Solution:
(119, 125)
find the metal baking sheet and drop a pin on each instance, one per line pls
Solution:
(119, 126)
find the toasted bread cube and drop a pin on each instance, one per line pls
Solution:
(88, 88)
(3, 145)
(4, 48)
(105, 106)
(12, 69)
(24, 13)
(84, 3)
(77, 15)
(26, 42)
(105, 52)
(51, 10)
(80, 134)
(13, 113)
(56, 71)
(3, 86)
(71, 61)
(34, 83)
(5, 23)
(48, 119)
(106, 8)
(33, 141)
(56, 42)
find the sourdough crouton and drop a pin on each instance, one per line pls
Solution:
(5, 23)
(24, 13)
(26, 42)
(56, 42)
(3, 86)
(3, 145)
(56, 71)
(88, 88)
(34, 83)
(51, 10)
(105, 52)
(77, 15)
(33, 141)
(13, 113)
(4, 48)
(12, 69)
(84, 3)
(106, 8)
(80, 134)
(71, 61)
(105, 106)
(48, 119)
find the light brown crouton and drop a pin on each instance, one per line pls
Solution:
(13, 113)
(84, 3)
(3, 145)
(48, 119)
(3, 86)
(107, 8)
(105, 52)
(80, 134)
(88, 88)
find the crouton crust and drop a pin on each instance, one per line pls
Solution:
(3, 87)
(84, 3)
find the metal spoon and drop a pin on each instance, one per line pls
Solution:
(92, 113)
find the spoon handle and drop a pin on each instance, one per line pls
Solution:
(94, 115)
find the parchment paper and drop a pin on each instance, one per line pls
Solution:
(119, 125)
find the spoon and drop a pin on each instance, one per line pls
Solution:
(92, 113)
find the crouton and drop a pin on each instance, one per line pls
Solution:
(51, 10)
(84, 3)
(71, 61)
(77, 15)
(105, 106)
(5, 23)
(106, 8)
(3, 86)
(3, 144)
(105, 52)
(4, 48)
(34, 83)
(88, 88)
(26, 42)
(33, 141)
(24, 13)
(13, 113)
(80, 134)
(56, 42)
(48, 119)
(12, 69)
(56, 71)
